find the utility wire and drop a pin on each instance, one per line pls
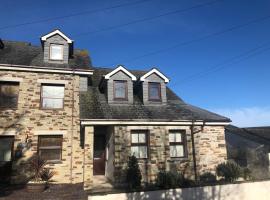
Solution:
(150, 18)
(196, 39)
(74, 14)
(235, 59)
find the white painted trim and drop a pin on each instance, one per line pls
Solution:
(120, 68)
(7, 132)
(44, 38)
(11, 79)
(52, 81)
(40, 69)
(51, 132)
(106, 122)
(152, 71)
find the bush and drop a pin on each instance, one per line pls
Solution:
(168, 180)
(246, 173)
(230, 171)
(208, 177)
(134, 175)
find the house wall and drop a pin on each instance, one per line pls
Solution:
(210, 148)
(209, 145)
(154, 78)
(28, 120)
(109, 170)
(110, 88)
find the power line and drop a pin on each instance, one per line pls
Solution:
(74, 14)
(235, 59)
(150, 18)
(196, 39)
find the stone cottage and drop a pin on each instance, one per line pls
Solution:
(86, 121)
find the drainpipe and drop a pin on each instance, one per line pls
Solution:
(72, 127)
(193, 147)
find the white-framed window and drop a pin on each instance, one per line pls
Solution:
(139, 144)
(120, 90)
(177, 139)
(56, 52)
(52, 96)
(50, 147)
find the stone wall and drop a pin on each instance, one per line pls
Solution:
(210, 148)
(209, 145)
(28, 120)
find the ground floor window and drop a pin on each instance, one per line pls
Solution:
(177, 139)
(139, 144)
(50, 147)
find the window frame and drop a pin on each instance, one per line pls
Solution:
(50, 147)
(146, 143)
(159, 92)
(41, 96)
(62, 52)
(182, 143)
(17, 99)
(126, 90)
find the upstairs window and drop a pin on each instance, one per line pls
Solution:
(154, 91)
(9, 92)
(50, 147)
(177, 141)
(56, 52)
(120, 90)
(52, 96)
(139, 144)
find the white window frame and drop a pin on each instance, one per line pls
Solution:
(62, 51)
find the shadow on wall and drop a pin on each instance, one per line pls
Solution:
(197, 193)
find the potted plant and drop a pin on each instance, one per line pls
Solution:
(41, 175)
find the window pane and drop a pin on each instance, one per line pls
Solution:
(142, 138)
(135, 151)
(50, 154)
(143, 151)
(56, 52)
(5, 149)
(53, 91)
(134, 138)
(52, 103)
(154, 91)
(120, 89)
(9, 92)
(175, 137)
(177, 151)
(50, 141)
(172, 137)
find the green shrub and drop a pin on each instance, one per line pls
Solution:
(246, 173)
(134, 175)
(230, 171)
(168, 180)
(208, 177)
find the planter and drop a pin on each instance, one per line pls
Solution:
(36, 187)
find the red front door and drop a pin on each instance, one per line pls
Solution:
(99, 154)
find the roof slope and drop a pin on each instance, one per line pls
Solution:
(94, 105)
(256, 134)
(23, 53)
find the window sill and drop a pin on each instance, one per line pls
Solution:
(54, 162)
(177, 159)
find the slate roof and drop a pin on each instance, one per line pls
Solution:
(93, 105)
(256, 134)
(23, 53)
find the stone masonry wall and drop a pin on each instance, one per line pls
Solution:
(159, 152)
(209, 146)
(28, 118)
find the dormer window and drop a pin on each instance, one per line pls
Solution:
(56, 52)
(154, 91)
(120, 90)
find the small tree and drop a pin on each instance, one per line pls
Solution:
(230, 171)
(134, 175)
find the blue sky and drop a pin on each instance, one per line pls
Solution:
(239, 90)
